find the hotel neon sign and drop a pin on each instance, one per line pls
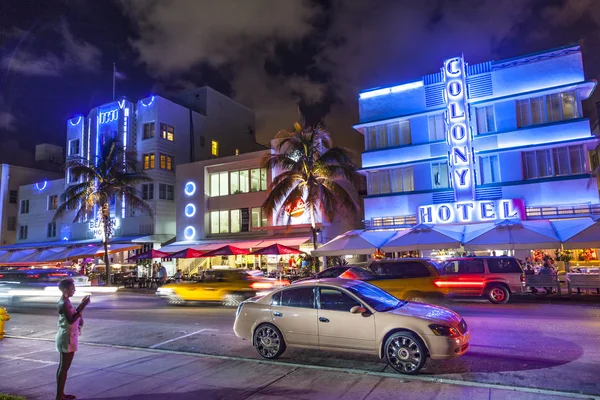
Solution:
(472, 211)
(458, 132)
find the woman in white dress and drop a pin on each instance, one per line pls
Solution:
(70, 322)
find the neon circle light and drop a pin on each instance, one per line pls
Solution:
(75, 123)
(190, 188)
(190, 210)
(189, 232)
(41, 185)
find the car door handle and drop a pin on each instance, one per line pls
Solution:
(277, 314)
(322, 319)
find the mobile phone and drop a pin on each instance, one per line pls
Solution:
(86, 298)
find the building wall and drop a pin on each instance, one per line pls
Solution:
(498, 86)
(11, 178)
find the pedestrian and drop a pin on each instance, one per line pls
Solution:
(178, 275)
(70, 322)
(547, 271)
(162, 273)
(155, 269)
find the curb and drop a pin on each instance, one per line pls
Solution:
(404, 378)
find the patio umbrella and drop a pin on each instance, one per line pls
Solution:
(227, 250)
(512, 235)
(578, 233)
(424, 237)
(88, 251)
(354, 242)
(187, 253)
(276, 249)
(150, 255)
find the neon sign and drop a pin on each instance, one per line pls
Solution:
(297, 209)
(189, 232)
(190, 210)
(150, 103)
(393, 89)
(458, 132)
(97, 227)
(75, 123)
(190, 188)
(472, 211)
(41, 185)
(108, 116)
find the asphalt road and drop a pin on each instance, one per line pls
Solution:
(546, 346)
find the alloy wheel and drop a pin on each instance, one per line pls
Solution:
(497, 294)
(405, 354)
(267, 341)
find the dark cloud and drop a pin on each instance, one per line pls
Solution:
(35, 59)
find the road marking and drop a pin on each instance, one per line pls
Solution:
(423, 378)
(29, 359)
(181, 337)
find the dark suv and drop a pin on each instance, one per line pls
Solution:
(494, 277)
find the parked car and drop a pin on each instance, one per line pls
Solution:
(345, 272)
(409, 278)
(352, 316)
(227, 286)
(497, 278)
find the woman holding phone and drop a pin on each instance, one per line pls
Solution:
(70, 322)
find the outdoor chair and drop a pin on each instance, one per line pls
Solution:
(543, 281)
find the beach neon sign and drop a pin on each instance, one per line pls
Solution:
(458, 131)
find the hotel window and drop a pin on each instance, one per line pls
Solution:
(237, 152)
(263, 179)
(437, 127)
(489, 169)
(390, 181)
(393, 134)
(51, 230)
(236, 221)
(214, 148)
(167, 132)
(148, 191)
(439, 175)
(166, 162)
(12, 196)
(567, 160)
(24, 206)
(149, 161)
(256, 219)
(549, 108)
(165, 192)
(148, 130)
(486, 121)
(219, 221)
(219, 184)
(22, 232)
(53, 202)
(11, 224)
(258, 179)
(74, 147)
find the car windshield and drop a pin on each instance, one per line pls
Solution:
(378, 299)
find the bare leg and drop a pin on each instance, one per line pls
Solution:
(61, 373)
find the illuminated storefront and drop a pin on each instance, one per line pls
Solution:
(480, 143)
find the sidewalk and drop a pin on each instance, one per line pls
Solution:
(103, 372)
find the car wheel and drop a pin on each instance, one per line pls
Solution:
(233, 299)
(405, 352)
(268, 341)
(175, 301)
(498, 294)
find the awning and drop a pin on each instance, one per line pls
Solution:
(578, 233)
(425, 237)
(158, 238)
(285, 241)
(511, 235)
(354, 242)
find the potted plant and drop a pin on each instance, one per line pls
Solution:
(93, 277)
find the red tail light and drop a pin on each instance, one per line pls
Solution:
(522, 277)
(261, 285)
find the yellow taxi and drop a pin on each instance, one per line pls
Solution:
(408, 278)
(227, 286)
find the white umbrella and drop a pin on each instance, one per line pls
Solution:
(425, 237)
(354, 242)
(511, 235)
(578, 233)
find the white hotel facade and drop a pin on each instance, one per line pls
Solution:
(484, 142)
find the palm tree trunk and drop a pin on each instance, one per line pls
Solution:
(106, 257)
(313, 228)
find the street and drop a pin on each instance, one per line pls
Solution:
(545, 346)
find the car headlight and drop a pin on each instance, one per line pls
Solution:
(443, 330)
(165, 292)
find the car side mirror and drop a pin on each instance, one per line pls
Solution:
(358, 310)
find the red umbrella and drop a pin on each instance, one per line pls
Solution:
(276, 248)
(226, 251)
(150, 255)
(187, 253)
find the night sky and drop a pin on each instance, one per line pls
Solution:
(274, 56)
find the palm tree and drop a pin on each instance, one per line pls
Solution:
(313, 171)
(114, 174)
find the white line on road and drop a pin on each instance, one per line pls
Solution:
(29, 359)
(181, 337)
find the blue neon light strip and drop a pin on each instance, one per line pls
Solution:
(149, 104)
(394, 89)
(75, 123)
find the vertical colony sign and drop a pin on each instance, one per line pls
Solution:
(458, 131)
